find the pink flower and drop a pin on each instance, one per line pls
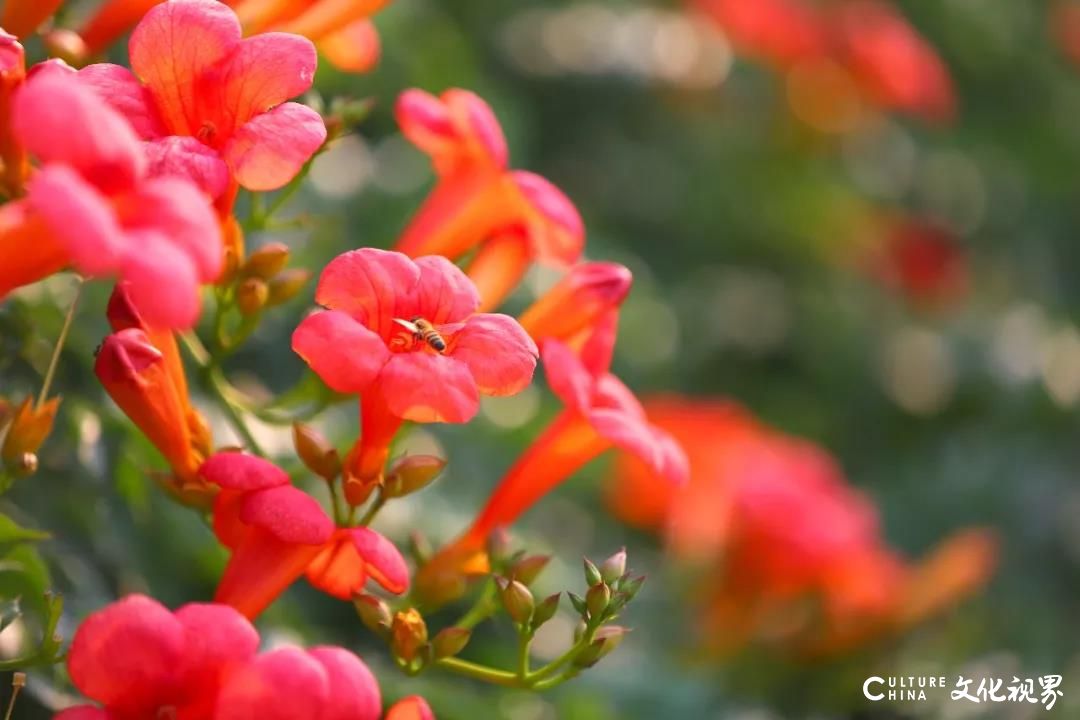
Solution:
(92, 205)
(277, 534)
(367, 342)
(141, 661)
(211, 105)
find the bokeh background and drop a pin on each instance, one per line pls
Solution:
(767, 211)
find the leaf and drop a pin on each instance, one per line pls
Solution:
(12, 532)
(10, 611)
(23, 573)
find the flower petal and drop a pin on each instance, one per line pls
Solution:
(499, 353)
(268, 151)
(176, 209)
(444, 294)
(84, 712)
(127, 656)
(566, 376)
(185, 157)
(555, 228)
(217, 638)
(353, 688)
(341, 351)
(58, 120)
(368, 284)
(171, 49)
(162, 280)
(119, 87)
(239, 471)
(338, 570)
(427, 387)
(353, 48)
(282, 684)
(384, 562)
(291, 515)
(653, 446)
(413, 707)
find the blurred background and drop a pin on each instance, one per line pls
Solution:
(857, 222)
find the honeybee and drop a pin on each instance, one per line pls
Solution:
(424, 330)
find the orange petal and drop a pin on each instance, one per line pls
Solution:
(498, 267)
(28, 249)
(260, 569)
(354, 48)
(112, 19)
(22, 17)
(327, 16)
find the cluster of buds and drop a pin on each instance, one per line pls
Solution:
(262, 280)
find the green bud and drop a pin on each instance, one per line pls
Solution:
(373, 612)
(527, 569)
(518, 601)
(450, 641)
(632, 586)
(606, 639)
(579, 604)
(498, 547)
(614, 567)
(545, 610)
(592, 573)
(597, 599)
(412, 473)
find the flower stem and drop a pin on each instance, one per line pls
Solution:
(480, 672)
(376, 506)
(481, 609)
(54, 361)
(524, 641)
(11, 703)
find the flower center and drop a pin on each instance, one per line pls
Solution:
(417, 333)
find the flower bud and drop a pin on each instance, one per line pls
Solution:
(579, 604)
(412, 473)
(408, 634)
(527, 569)
(232, 240)
(66, 45)
(30, 425)
(450, 641)
(374, 613)
(252, 295)
(498, 546)
(315, 452)
(631, 586)
(597, 599)
(592, 573)
(545, 610)
(267, 261)
(614, 567)
(607, 639)
(517, 600)
(287, 284)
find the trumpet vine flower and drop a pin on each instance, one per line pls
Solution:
(367, 342)
(277, 533)
(512, 217)
(211, 105)
(92, 205)
(22, 17)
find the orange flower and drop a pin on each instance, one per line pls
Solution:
(12, 76)
(29, 428)
(23, 17)
(512, 217)
(578, 304)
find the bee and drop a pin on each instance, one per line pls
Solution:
(425, 331)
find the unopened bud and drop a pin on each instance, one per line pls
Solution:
(412, 473)
(30, 425)
(408, 634)
(66, 45)
(267, 261)
(450, 641)
(528, 568)
(597, 599)
(517, 600)
(498, 546)
(373, 612)
(592, 573)
(315, 452)
(251, 296)
(579, 604)
(631, 586)
(232, 240)
(607, 639)
(287, 284)
(613, 568)
(546, 610)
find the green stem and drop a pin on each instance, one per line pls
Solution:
(524, 641)
(335, 504)
(372, 511)
(54, 361)
(559, 662)
(480, 672)
(481, 609)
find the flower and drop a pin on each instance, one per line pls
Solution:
(141, 661)
(211, 105)
(12, 76)
(516, 217)
(27, 430)
(22, 17)
(92, 205)
(921, 261)
(366, 342)
(579, 304)
(779, 32)
(277, 533)
(413, 707)
(599, 413)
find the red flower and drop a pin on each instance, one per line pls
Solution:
(278, 533)
(92, 205)
(780, 32)
(365, 342)
(582, 303)
(141, 661)
(413, 707)
(515, 217)
(212, 106)
(921, 261)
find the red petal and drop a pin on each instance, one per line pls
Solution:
(239, 471)
(498, 352)
(262, 567)
(444, 293)
(338, 569)
(162, 279)
(118, 87)
(368, 284)
(555, 227)
(413, 707)
(427, 387)
(84, 712)
(185, 157)
(354, 691)
(566, 376)
(181, 213)
(477, 125)
(283, 684)
(128, 655)
(269, 150)
(344, 353)
(354, 48)
(171, 49)
(262, 72)
(384, 562)
(217, 639)
(291, 515)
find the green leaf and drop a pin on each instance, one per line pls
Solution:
(12, 532)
